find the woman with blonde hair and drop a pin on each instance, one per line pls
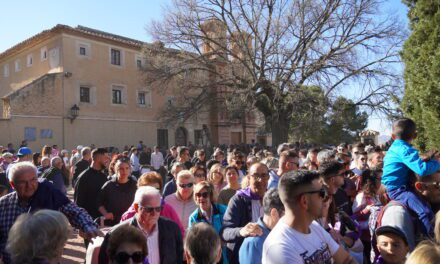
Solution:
(426, 252)
(217, 178)
(38, 238)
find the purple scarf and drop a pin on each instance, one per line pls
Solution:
(246, 193)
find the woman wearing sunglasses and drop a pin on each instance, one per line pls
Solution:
(208, 211)
(182, 201)
(127, 243)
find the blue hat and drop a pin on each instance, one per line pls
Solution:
(24, 151)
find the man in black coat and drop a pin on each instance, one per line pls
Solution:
(83, 164)
(165, 245)
(90, 182)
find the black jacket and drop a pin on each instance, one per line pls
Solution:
(87, 189)
(170, 241)
(80, 166)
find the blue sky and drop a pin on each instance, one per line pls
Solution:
(22, 19)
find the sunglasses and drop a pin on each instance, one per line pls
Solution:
(435, 184)
(123, 257)
(188, 185)
(199, 175)
(151, 209)
(322, 193)
(203, 194)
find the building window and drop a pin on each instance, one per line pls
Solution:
(116, 96)
(17, 65)
(6, 70)
(84, 94)
(162, 138)
(139, 63)
(144, 99)
(82, 51)
(29, 60)
(198, 137)
(115, 57)
(43, 53)
(141, 98)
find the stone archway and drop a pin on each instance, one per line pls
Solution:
(181, 136)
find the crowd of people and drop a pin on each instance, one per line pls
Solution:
(352, 203)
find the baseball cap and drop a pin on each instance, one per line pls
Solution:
(393, 230)
(24, 151)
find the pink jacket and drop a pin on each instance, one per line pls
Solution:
(167, 212)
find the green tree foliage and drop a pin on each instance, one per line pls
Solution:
(344, 122)
(421, 55)
(324, 123)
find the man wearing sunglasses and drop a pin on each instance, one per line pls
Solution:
(164, 240)
(297, 238)
(397, 214)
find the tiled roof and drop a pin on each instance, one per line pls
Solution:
(368, 132)
(43, 35)
(111, 36)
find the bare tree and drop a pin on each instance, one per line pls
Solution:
(263, 53)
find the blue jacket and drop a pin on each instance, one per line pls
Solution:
(251, 251)
(217, 222)
(401, 157)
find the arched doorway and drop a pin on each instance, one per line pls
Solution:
(181, 136)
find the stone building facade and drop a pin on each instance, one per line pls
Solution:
(43, 77)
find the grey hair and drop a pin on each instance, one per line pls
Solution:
(54, 160)
(20, 167)
(184, 173)
(44, 158)
(144, 191)
(175, 165)
(325, 155)
(282, 147)
(38, 236)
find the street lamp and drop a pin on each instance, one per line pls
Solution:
(74, 112)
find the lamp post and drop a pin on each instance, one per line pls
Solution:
(74, 112)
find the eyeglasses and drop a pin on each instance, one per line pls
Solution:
(203, 194)
(123, 257)
(322, 193)
(149, 210)
(262, 176)
(188, 185)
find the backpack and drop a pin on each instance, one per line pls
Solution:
(375, 221)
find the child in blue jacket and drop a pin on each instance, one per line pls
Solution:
(399, 163)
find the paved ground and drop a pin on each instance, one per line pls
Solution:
(74, 251)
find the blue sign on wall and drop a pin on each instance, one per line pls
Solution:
(30, 133)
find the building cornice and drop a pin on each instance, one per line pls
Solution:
(81, 31)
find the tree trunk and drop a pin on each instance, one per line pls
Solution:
(280, 130)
